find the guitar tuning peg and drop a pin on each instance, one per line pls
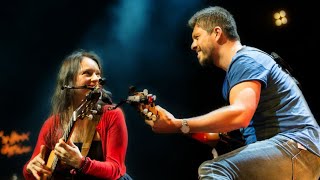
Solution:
(94, 111)
(151, 98)
(149, 114)
(150, 123)
(145, 111)
(145, 92)
(98, 107)
(90, 116)
(153, 117)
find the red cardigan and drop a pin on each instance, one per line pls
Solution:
(114, 139)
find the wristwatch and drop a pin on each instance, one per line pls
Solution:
(185, 127)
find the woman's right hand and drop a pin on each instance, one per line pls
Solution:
(37, 165)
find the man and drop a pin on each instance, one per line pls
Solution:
(265, 103)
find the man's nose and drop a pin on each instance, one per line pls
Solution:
(193, 46)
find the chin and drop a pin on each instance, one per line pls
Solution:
(203, 62)
(206, 63)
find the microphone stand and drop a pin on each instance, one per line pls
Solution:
(105, 95)
(76, 87)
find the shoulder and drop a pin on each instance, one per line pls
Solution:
(112, 114)
(50, 121)
(112, 118)
(49, 125)
(106, 109)
(250, 57)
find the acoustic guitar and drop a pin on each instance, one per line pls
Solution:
(145, 104)
(85, 109)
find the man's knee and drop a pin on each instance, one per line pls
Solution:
(214, 169)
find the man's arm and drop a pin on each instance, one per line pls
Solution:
(244, 99)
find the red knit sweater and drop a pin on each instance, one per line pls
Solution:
(114, 139)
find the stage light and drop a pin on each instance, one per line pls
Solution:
(280, 18)
(11, 145)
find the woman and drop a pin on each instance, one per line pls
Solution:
(79, 82)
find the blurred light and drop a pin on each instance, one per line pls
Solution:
(282, 13)
(280, 18)
(284, 20)
(278, 22)
(14, 176)
(12, 144)
(276, 15)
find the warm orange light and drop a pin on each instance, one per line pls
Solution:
(207, 138)
(12, 144)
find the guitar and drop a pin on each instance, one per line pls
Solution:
(145, 104)
(85, 109)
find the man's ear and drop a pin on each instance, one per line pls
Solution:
(217, 31)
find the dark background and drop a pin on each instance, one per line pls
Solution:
(146, 44)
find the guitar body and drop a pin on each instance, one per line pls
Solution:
(50, 163)
(207, 138)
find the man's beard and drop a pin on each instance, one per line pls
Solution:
(207, 63)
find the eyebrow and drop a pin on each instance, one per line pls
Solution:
(195, 34)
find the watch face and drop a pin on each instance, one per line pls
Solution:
(185, 128)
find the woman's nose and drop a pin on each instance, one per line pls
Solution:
(95, 77)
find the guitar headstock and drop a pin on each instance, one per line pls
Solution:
(88, 106)
(144, 102)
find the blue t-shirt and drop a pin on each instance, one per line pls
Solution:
(282, 108)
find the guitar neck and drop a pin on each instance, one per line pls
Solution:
(53, 159)
(69, 130)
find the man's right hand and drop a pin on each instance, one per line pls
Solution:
(165, 122)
